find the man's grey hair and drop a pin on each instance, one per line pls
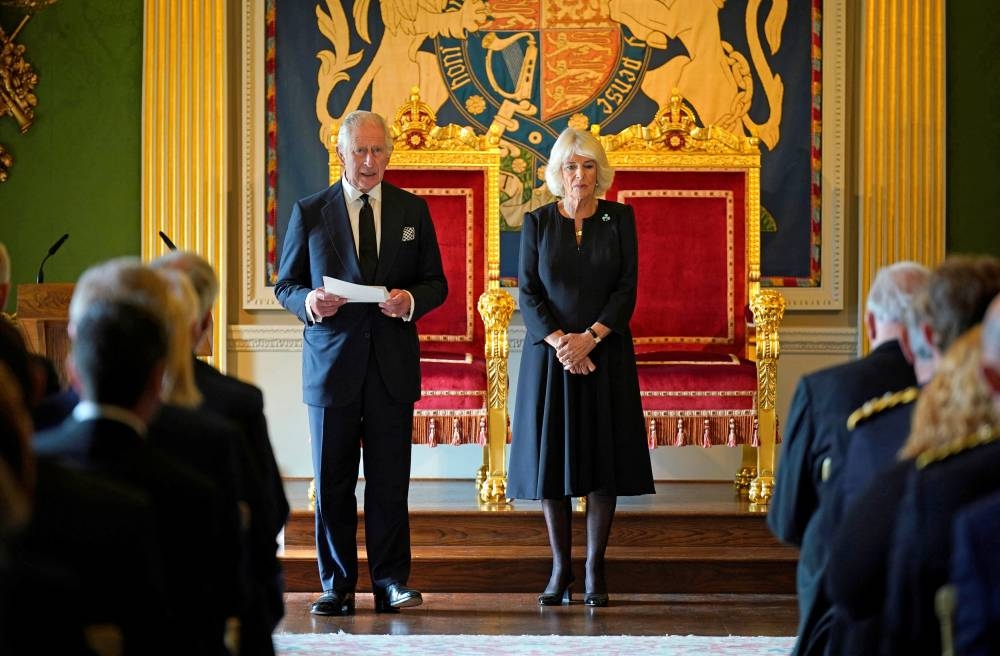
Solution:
(352, 122)
(958, 293)
(199, 273)
(577, 142)
(894, 290)
(4, 265)
(120, 279)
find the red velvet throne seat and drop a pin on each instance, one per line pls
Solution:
(463, 353)
(706, 366)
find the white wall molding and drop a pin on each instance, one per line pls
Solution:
(794, 341)
(819, 341)
(265, 339)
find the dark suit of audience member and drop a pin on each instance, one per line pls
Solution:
(855, 580)
(922, 546)
(118, 353)
(53, 409)
(103, 535)
(243, 404)
(186, 506)
(857, 563)
(27, 581)
(813, 449)
(214, 448)
(975, 573)
(873, 447)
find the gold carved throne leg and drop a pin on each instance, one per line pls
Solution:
(768, 309)
(496, 307)
(747, 471)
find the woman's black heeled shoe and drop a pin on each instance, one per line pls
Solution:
(563, 596)
(595, 599)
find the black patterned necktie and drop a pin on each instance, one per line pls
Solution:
(368, 248)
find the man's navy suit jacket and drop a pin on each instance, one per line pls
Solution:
(319, 242)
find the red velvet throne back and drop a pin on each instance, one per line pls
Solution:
(452, 409)
(698, 385)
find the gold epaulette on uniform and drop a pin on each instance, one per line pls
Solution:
(984, 435)
(879, 404)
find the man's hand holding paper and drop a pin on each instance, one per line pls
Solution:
(398, 305)
(322, 304)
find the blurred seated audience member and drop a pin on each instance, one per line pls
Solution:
(975, 567)
(17, 482)
(210, 445)
(26, 582)
(105, 435)
(955, 299)
(958, 457)
(243, 404)
(975, 573)
(200, 442)
(856, 581)
(815, 442)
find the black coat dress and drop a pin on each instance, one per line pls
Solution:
(575, 434)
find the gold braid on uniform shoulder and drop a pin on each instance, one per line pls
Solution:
(881, 403)
(984, 435)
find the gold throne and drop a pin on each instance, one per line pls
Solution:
(706, 335)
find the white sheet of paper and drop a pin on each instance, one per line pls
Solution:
(355, 293)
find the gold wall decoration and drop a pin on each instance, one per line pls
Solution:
(29, 5)
(902, 141)
(17, 88)
(185, 139)
(6, 161)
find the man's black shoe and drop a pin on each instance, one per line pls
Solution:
(334, 603)
(396, 596)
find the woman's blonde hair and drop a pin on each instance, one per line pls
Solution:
(956, 402)
(179, 387)
(577, 142)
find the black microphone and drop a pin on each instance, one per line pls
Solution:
(40, 278)
(166, 240)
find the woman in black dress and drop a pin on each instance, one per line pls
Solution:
(578, 427)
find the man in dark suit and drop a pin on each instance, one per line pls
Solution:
(360, 361)
(816, 435)
(243, 405)
(192, 490)
(118, 359)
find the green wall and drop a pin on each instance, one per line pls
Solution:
(77, 169)
(973, 144)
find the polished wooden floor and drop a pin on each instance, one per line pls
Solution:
(693, 558)
(519, 614)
